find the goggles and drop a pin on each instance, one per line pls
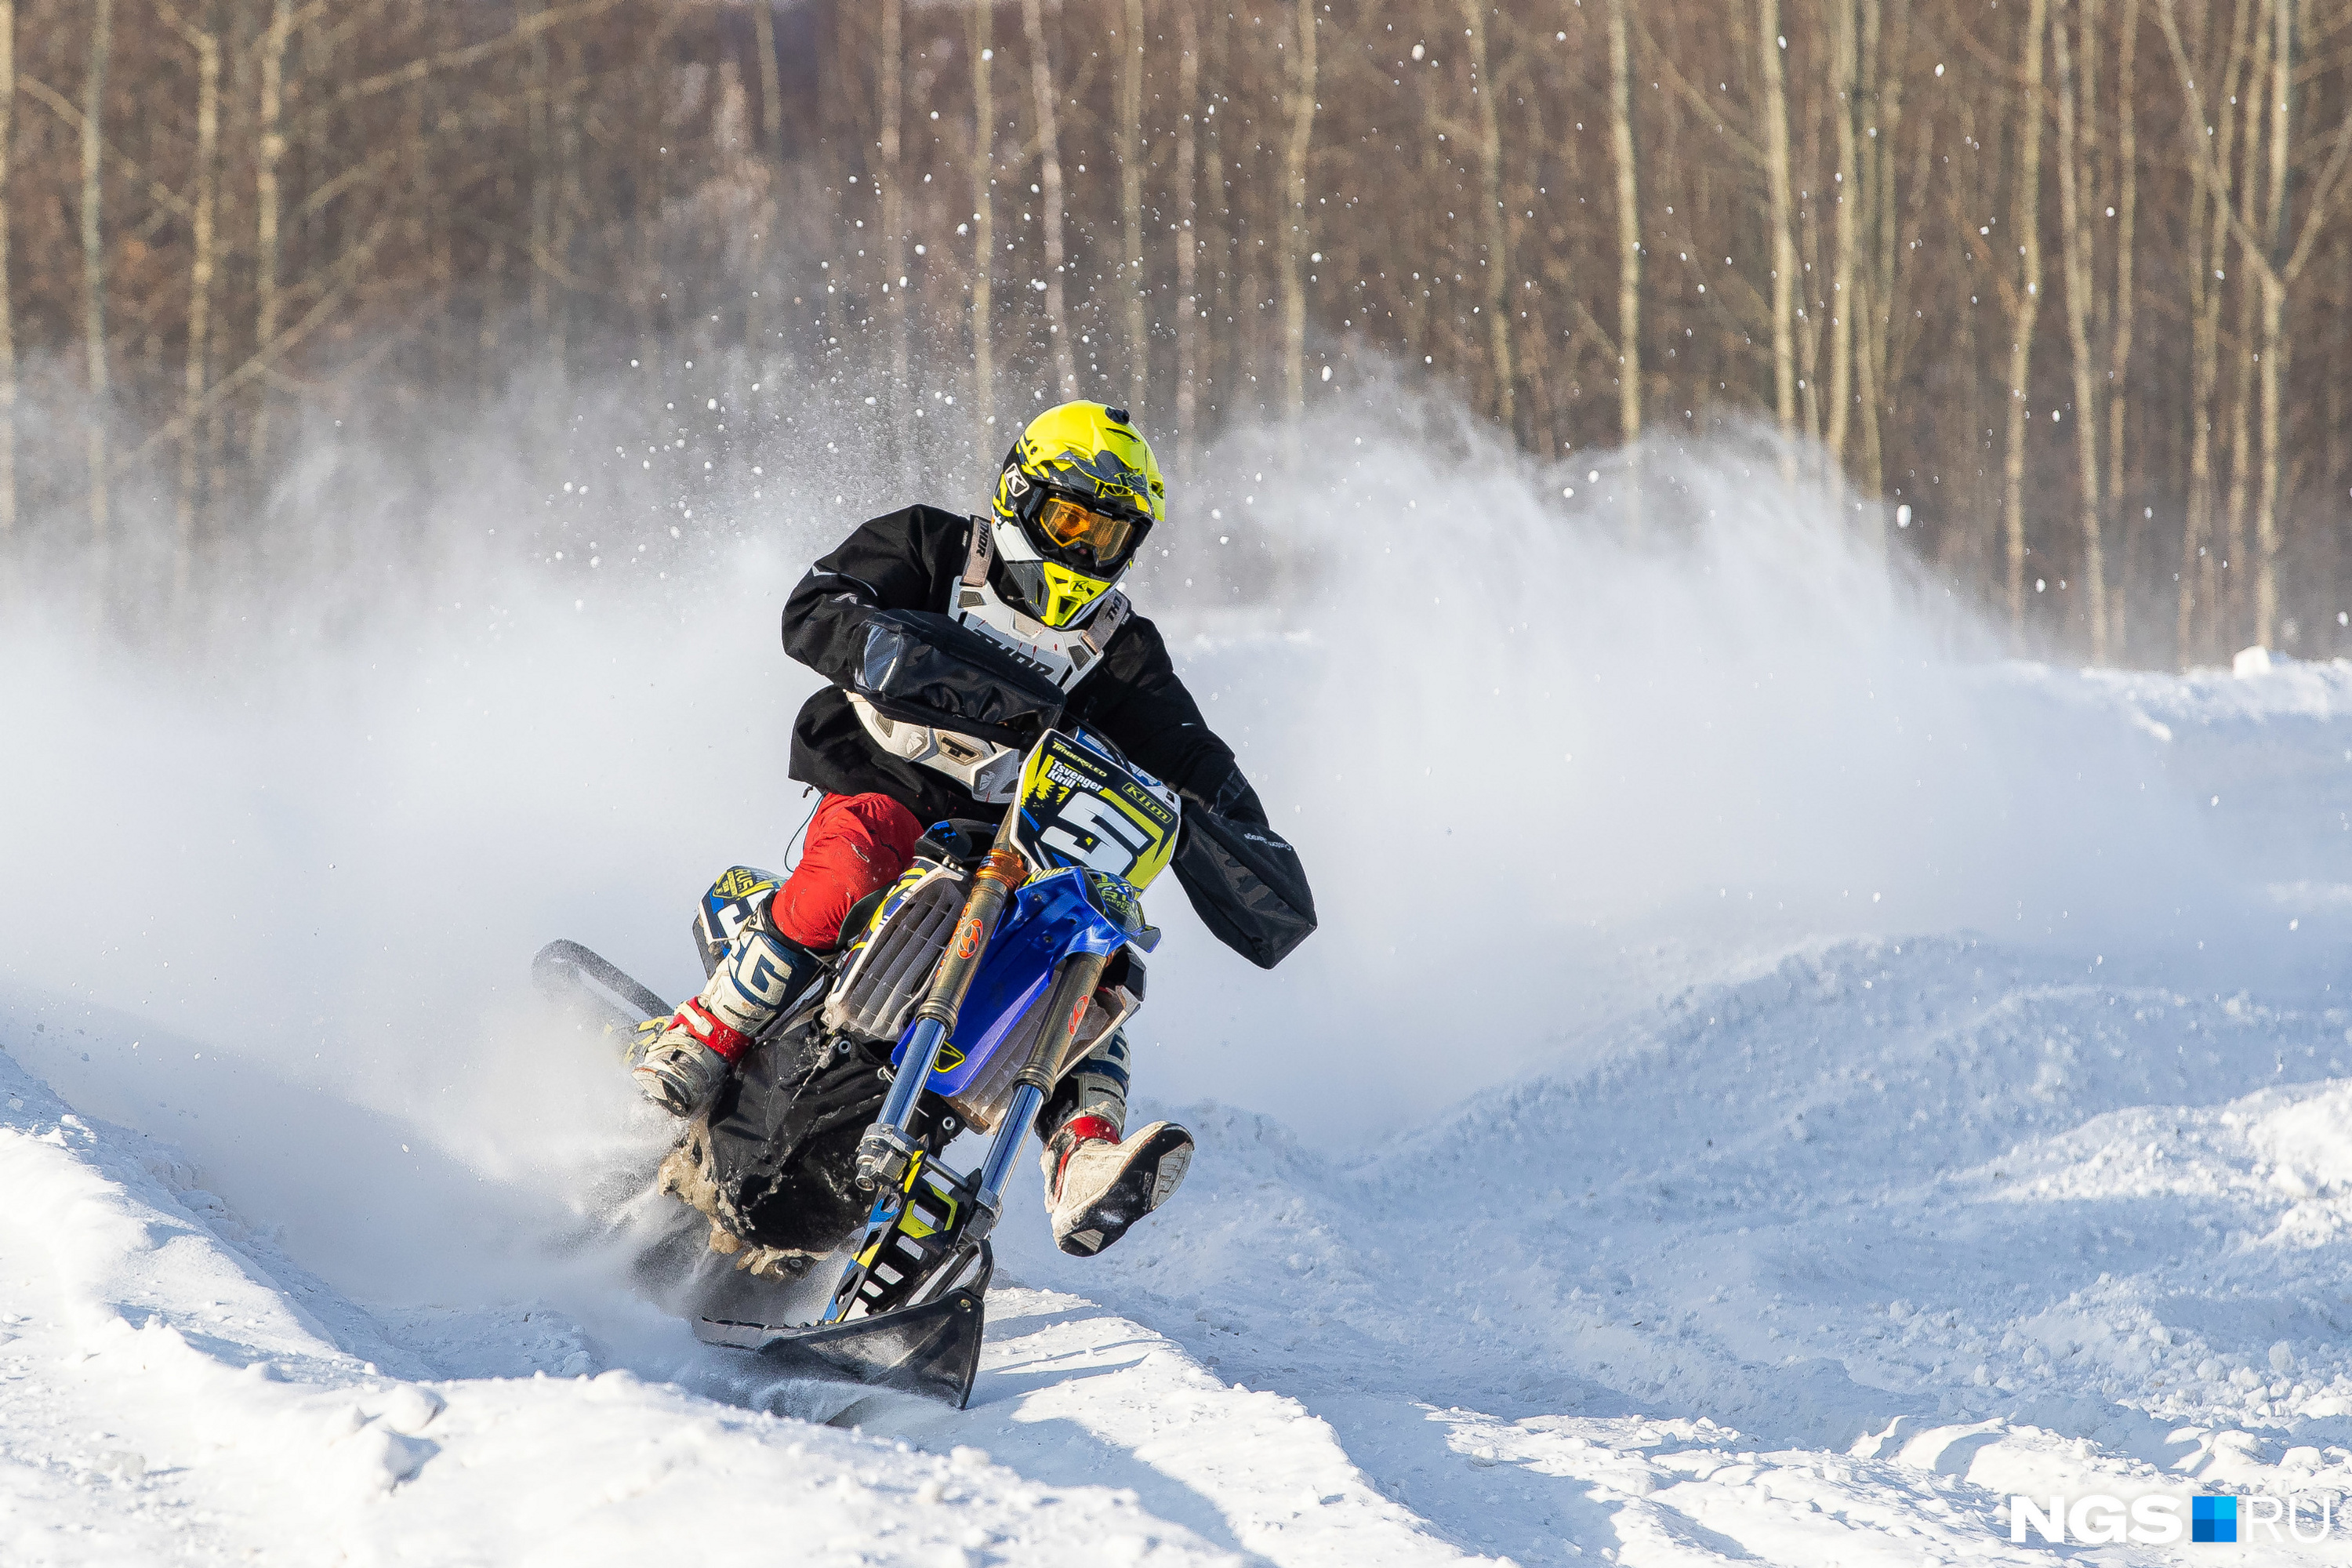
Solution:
(1083, 536)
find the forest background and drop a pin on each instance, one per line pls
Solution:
(2055, 296)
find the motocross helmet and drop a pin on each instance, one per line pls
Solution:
(1079, 491)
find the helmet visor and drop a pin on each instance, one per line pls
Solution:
(1084, 535)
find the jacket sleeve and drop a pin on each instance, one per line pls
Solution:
(901, 561)
(1138, 700)
(1243, 880)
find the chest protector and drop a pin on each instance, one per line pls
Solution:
(1064, 655)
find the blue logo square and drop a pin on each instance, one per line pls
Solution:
(2213, 1519)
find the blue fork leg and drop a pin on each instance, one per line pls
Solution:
(884, 1153)
(1065, 1006)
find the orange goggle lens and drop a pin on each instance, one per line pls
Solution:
(1075, 527)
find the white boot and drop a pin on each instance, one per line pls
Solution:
(762, 974)
(1096, 1186)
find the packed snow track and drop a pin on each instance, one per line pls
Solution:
(1821, 1260)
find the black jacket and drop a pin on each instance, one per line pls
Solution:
(1242, 879)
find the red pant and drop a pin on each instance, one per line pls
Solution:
(855, 844)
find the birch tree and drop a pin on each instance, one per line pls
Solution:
(1188, 238)
(7, 308)
(2077, 263)
(1853, 200)
(2025, 307)
(774, 159)
(2125, 299)
(2277, 261)
(270, 149)
(1293, 238)
(205, 39)
(1629, 227)
(1130, 202)
(1796, 211)
(2209, 235)
(1049, 158)
(1769, 44)
(93, 269)
(889, 112)
(979, 24)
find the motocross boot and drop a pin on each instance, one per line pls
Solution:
(761, 976)
(1097, 1185)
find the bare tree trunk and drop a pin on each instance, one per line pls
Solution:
(1811, 265)
(1629, 228)
(8, 310)
(1872, 375)
(1131, 194)
(487, 358)
(1245, 310)
(206, 40)
(2239, 497)
(776, 160)
(266, 202)
(2077, 260)
(2274, 354)
(93, 276)
(772, 90)
(542, 174)
(889, 112)
(1532, 350)
(564, 135)
(1770, 43)
(2027, 223)
(2262, 250)
(2119, 347)
(1853, 211)
(1049, 145)
(1188, 240)
(1213, 229)
(1292, 238)
(2200, 542)
(979, 20)
(2339, 351)
(2276, 347)
(2243, 438)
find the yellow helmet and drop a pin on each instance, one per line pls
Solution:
(1079, 491)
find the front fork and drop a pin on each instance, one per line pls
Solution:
(1065, 1009)
(887, 1147)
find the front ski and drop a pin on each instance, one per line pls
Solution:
(909, 1312)
(932, 1350)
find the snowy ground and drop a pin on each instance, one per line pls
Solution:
(1819, 1257)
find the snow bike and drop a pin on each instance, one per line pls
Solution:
(989, 970)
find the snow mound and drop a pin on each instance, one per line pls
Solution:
(164, 1397)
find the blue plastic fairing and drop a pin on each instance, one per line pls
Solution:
(1052, 917)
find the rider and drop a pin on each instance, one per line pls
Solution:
(1079, 494)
